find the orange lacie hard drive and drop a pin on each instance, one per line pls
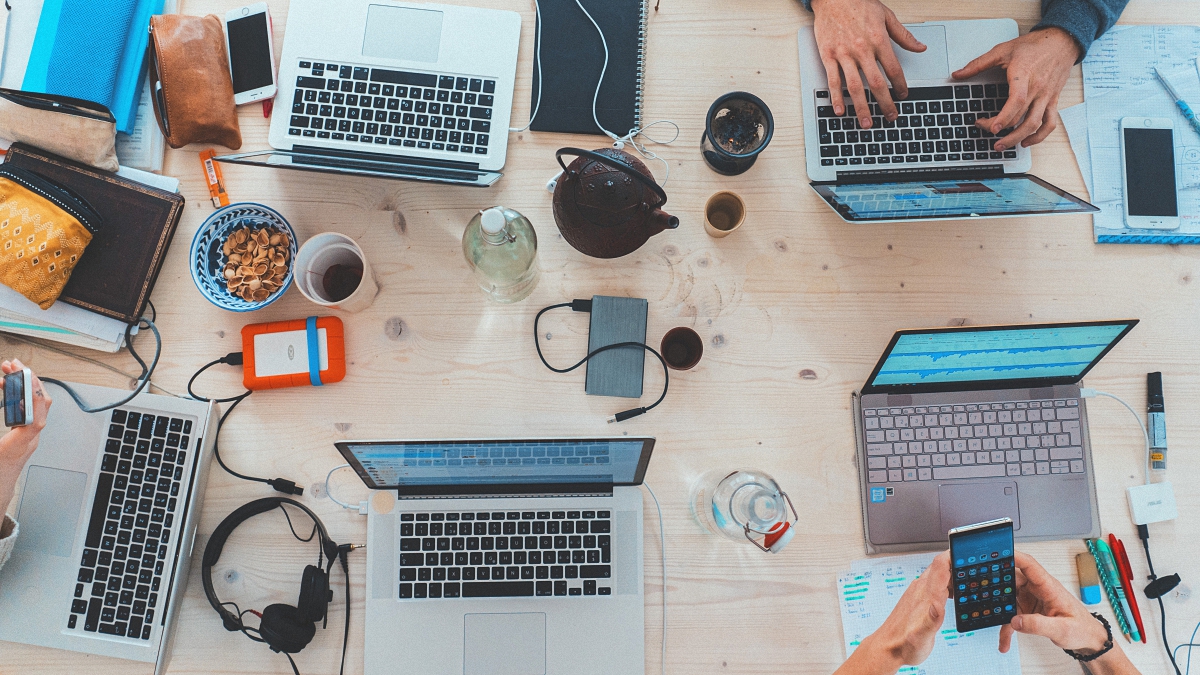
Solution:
(304, 352)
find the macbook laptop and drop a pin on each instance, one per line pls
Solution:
(931, 162)
(504, 557)
(394, 89)
(108, 511)
(961, 425)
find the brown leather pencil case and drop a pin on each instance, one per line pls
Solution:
(190, 82)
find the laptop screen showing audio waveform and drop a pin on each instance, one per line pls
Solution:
(1016, 354)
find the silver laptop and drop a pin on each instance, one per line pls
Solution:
(108, 512)
(394, 89)
(961, 425)
(932, 162)
(504, 557)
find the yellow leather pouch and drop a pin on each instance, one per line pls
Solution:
(44, 229)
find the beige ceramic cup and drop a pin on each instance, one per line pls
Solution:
(724, 212)
(321, 252)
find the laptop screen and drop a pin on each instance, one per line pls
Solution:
(925, 199)
(459, 466)
(1036, 355)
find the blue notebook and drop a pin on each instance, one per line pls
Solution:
(94, 51)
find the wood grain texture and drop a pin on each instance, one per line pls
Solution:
(794, 310)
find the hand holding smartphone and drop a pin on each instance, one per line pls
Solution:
(983, 575)
(18, 398)
(1148, 173)
(251, 53)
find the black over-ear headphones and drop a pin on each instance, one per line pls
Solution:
(283, 628)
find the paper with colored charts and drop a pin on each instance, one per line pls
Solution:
(870, 590)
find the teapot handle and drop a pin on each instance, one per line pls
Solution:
(615, 164)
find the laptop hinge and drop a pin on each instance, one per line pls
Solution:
(894, 175)
(509, 495)
(386, 158)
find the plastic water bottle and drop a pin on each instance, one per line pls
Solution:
(500, 245)
(725, 503)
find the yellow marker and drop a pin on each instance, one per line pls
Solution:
(212, 175)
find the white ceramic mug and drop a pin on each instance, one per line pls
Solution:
(320, 253)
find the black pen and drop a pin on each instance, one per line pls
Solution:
(1156, 413)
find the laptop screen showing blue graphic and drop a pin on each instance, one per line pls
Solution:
(988, 355)
(1008, 195)
(504, 462)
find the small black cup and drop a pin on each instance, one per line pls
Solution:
(738, 127)
(682, 348)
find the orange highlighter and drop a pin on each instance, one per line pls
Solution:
(1127, 580)
(212, 176)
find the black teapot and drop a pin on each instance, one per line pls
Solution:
(607, 204)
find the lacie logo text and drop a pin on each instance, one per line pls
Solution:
(1157, 503)
(291, 353)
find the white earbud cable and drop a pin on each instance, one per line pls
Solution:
(662, 543)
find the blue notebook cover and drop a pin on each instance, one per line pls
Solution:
(94, 51)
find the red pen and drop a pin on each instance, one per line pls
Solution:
(1127, 580)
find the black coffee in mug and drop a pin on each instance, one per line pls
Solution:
(340, 281)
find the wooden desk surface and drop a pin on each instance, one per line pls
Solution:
(794, 310)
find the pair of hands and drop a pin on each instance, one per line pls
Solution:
(18, 444)
(907, 637)
(858, 34)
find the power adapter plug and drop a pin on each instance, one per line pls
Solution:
(1152, 503)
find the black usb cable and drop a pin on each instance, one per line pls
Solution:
(586, 306)
(235, 359)
(1158, 587)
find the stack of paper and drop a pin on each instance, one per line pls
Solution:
(870, 590)
(1119, 81)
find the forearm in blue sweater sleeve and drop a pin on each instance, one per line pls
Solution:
(1084, 20)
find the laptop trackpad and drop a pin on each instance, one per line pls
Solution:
(50, 503)
(505, 644)
(931, 64)
(969, 503)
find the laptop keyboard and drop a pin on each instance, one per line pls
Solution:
(986, 440)
(936, 124)
(505, 554)
(360, 104)
(131, 524)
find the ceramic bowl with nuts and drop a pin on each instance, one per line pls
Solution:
(242, 257)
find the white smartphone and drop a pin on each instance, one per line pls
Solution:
(18, 398)
(1148, 175)
(251, 53)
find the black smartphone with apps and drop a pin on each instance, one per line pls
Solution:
(18, 398)
(983, 575)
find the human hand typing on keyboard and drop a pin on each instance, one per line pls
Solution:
(858, 34)
(18, 444)
(1038, 65)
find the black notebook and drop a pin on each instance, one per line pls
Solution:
(572, 56)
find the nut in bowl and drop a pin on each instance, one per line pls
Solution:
(242, 257)
(256, 262)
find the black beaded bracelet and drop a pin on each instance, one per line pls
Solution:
(1108, 643)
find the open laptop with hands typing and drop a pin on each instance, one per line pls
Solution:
(504, 557)
(932, 162)
(961, 425)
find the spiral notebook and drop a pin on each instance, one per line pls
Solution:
(572, 56)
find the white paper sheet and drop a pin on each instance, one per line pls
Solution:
(1126, 56)
(1074, 121)
(870, 590)
(18, 40)
(1104, 115)
(144, 147)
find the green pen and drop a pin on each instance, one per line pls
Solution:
(1116, 591)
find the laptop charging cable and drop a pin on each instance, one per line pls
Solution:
(1158, 586)
(586, 306)
(143, 380)
(362, 505)
(235, 359)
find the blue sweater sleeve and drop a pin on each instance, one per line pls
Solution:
(1084, 20)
